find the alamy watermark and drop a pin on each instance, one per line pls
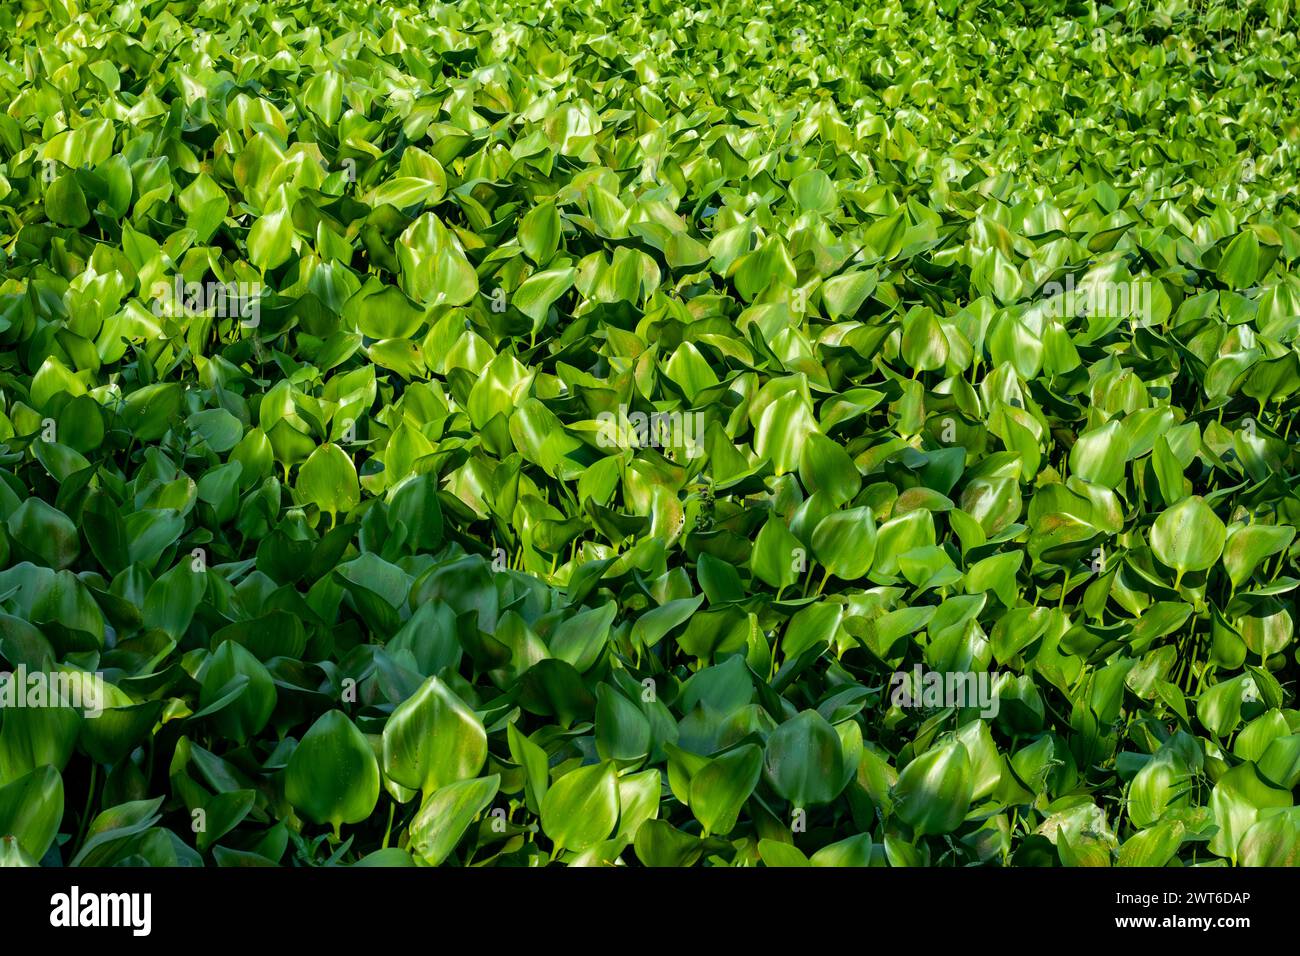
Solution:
(919, 688)
(133, 911)
(80, 690)
(224, 300)
(1131, 297)
(626, 428)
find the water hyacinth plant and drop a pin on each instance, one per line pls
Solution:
(618, 432)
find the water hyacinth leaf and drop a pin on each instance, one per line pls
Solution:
(1271, 841)
(719, 789)
(1189, 536)
(659, 844)
(782, 429)
(844, 294)
(924, 346)
(38, 734)
(1081, 834)
(1238, 801)
(581, 639)
(45, 533)
(434, 270)
(149, 412)
(814, 191)
(814, 626)
(622, 731)
(432, 739)
(804, 760)
(1266, 628)
(845, 543)
(1240, 263)
(777, 555)
(1280, 762)
(383, 312)
(270, 241)
(446, 814)
(245, 714)
(1219, 707)
(934, 791)
(776, 853)
(328, 479)
(638, 801)
(114, 828)
(581, 808)
(332, 776)
(853, 851)
(825, 467)
(1161, 784)
(1153, 846)
(65, 203)
(1246, 546)
(31, 809)
(539, 291)
(652, 626)
(221, 814)
(13, 855)
(1099, 456)
(414, 503)
(532, 759)
(172, 600)
(539, 233)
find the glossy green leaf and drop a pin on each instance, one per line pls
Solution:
(432, 739)
(333, 776)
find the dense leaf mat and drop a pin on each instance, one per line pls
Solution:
(595, 432)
